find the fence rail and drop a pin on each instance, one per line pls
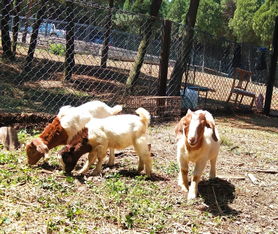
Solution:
(40, 85)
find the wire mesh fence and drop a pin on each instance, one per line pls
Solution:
(73, 52)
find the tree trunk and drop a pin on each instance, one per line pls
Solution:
(15, 25)
(164, 57)
(8, 138)
(5, 36)
(180, 67)
(69, 60)
(147, 33)
(28, 15)
(34, 37)
(105, 46)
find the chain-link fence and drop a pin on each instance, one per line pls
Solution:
(70, 53)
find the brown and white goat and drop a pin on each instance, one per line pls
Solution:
(118, 132)
(65, 125)
(198, 142)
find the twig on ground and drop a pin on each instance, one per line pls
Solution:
(231, 177)
(233, 148)
(252, 178)
(218, 207)
(266, 171)
(46, 171)
(269, 171)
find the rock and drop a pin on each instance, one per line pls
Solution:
(9, 139)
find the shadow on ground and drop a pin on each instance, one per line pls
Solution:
(218, 194)
(134, 173)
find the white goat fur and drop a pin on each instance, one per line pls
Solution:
(119, 132)
(208, 150)
(74, 119)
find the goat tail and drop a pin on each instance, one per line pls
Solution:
(145, 116)
(116, 109)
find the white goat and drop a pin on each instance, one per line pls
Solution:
(198, 142)
(65, 125)
(118, 132)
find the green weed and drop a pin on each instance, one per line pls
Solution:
(57, 49)
(226, 141)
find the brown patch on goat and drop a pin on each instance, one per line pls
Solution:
(211, 125)
(53, 135)
(183, 125)
(33, 155)
(77, 146)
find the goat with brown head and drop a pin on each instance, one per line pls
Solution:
(53, 135)
(192, 125)
(198, 142)
(71, 153)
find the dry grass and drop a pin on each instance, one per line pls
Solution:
(42, 199)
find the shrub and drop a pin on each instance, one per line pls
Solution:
(57, 49)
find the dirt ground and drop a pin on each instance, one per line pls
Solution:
(243, 199)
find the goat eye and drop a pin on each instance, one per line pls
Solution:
(85, 140)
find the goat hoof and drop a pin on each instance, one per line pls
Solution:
(191, 196)
(110, 164)
(183, 188)
(96, 173)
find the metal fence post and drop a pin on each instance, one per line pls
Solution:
(272, 69)
(164, 57)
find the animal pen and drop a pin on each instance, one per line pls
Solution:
(61, 58)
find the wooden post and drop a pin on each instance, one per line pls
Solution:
(272, 69)
(69, 58)
(164, 57)
(105, 46)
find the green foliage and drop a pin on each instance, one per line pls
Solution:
(172, 168)
(264, 21)
(209, 17)
(226, 141)
(117, 187)
(177, 10)
(73, 211)
(57, 49)
(228, 8)
(7, 157)
(241, 23)
(129, 22)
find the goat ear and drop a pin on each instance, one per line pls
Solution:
(179, 127)
(71, 149)
(210, 124)
(188, 112)
(42, 148)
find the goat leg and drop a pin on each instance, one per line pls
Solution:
(183, 173)
(212, 172)
(91, 159)
(101, 153)
(193, 189)
(111, 161)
